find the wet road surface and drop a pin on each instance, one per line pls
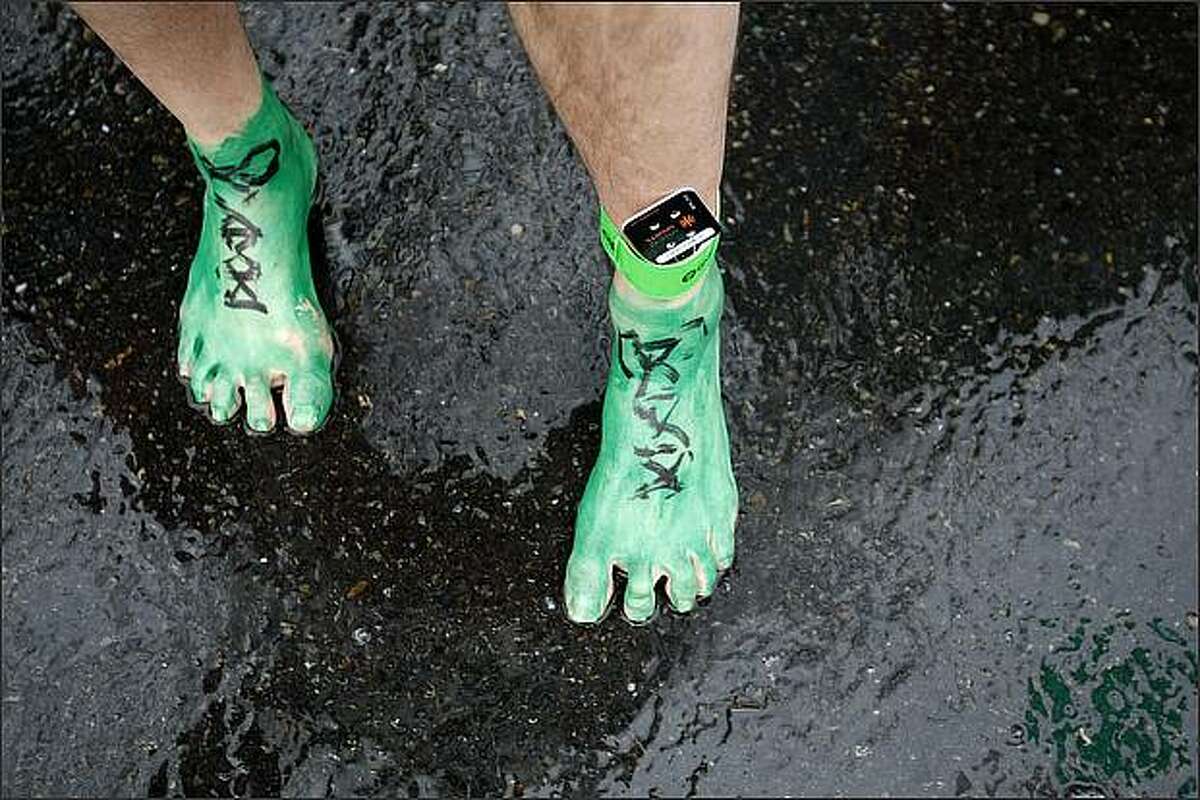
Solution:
(961, 378)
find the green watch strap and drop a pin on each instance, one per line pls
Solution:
(650, 278)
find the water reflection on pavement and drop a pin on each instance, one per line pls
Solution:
(960, 377)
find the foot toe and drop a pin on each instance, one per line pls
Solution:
(681, 586)
(639, 594)
(260, 407)
(587, 589)
(306, 401)
(187, 355)
(202, 382)
(704, 565)
(223, 398)
(720, 542)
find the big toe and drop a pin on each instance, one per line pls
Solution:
(587, 589)
(306, 401)
(201, 382)
(191, 347)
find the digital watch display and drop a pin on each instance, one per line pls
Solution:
(671, 230)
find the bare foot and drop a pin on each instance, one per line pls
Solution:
(661, 500)
(250, 320)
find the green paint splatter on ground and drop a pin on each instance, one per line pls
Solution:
(1115, 719)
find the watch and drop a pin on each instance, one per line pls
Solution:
(667, 247)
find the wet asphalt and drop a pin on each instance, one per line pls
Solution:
(960, 376)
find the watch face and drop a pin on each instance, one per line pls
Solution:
(672, 230)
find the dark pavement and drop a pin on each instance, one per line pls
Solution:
(960, 373)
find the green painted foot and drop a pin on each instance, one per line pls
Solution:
(661, 500)
(250, 320)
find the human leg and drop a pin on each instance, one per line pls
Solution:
(194, 57)
(642, 90)
(250, 319)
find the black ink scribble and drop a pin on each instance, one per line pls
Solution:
(239, 235)
(243, 176)
(238, 232)
(655, 408)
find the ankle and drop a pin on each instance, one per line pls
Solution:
(270, 146)
(217, 122)
(636, 299)
(629, 308)
(268, 121)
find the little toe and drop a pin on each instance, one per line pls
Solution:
(260, 407)
(223, 399)
(588, 588)
(306, 401)
(704, 565)
(720, 542)
(639, 594)
(681, 586)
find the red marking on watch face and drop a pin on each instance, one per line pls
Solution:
(654, 237)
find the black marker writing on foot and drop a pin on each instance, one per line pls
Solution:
(238, 232)
(250, 321)
(651, 356)
(661, 501)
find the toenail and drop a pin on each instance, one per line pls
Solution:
(639, 607)
(303, 418)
